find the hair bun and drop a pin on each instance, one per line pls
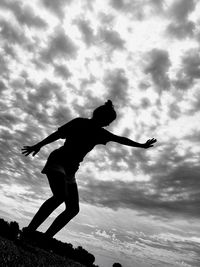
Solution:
(109, 103)
(105, 112)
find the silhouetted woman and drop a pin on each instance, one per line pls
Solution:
(81, 136)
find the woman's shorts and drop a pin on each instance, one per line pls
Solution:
(69, 177)
(54, 164)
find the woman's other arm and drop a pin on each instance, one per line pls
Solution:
(128, 142)
(26, 150)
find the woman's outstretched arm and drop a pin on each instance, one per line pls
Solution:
(128, 142)
(26, 150)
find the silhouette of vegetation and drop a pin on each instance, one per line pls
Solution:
(83, 256)
(9, 230)
(116, 264)
(12, 232)
(18, 254)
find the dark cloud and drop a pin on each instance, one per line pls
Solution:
(174, 110)
(35, 102)
(11, 141)
(39, 104)
(27, 17)
(2, 86)
(111, 38)
(195, 107)
(4, 68)
(87, 82)
(181, 9)
(180, 190)
(11, 33)
(118, 4)
(56, 7)
(181, 27)
(62, 115)
(106, 20)
(191, 64)
(24, 14)
(59, 46)
(189, 71)
(117, 84)
(7, 144)
(9, 50)
(8, 119)
(169, 194)
(17, 83)
(158, 4)
(158, 64)
(145, 103)
(62, 71)
(137, 9)
(86, 31)
(182, 82)
(43, 94)
(143, 85)
(181, 31)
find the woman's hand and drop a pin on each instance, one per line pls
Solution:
(149, 143)
(26, 150)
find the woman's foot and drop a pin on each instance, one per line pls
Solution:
(36, 238)
(27, 233)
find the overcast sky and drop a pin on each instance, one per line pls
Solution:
(61, 59)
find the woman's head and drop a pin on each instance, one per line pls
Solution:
(104, 114)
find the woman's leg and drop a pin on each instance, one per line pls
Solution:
(45, 210)
(56, 182)
(72, 209)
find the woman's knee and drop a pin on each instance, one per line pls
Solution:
(77, 209)
(74, 209)
(57, 185)
(58, 198)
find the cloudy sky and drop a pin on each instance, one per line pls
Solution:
(61, 59)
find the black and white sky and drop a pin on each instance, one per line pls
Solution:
(61, 59)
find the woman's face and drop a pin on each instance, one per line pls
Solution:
(104, 122)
